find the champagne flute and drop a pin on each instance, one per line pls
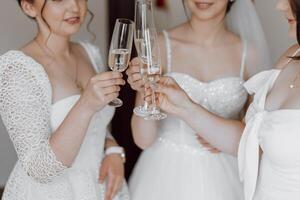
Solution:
(120, 50)
(143, 20)
(154, 71)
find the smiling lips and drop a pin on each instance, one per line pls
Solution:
(73, 20)
(203, 5)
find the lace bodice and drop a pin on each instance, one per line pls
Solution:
(30, 117)
(25, 111)
(224, 97)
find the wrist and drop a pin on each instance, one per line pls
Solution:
(140, 94)
(116, 150)
(186, 110)
(82, 105)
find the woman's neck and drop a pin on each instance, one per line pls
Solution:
(208, 32)
(57, 45)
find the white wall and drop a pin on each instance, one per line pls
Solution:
(171, 17)
(275, 26)
(16, 29)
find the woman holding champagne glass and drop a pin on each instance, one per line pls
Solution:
(269, 146)
(53, 102)
(120, 50)
(147, 46)
(210, 60)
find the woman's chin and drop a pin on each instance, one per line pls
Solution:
(70, 32)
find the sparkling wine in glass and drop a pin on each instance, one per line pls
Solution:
(119, 59)
(154, 70)
(143, 21)
(120, 50)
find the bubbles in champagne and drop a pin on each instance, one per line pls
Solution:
(144, 71)
(150, 73)
(144, 51)
(141, 48)
(119, 59)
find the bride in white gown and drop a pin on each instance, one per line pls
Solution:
(53, 105)
(269, 146)
(210, 63)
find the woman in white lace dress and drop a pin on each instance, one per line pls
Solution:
(210, 63)
(272, 122)
(53, 102)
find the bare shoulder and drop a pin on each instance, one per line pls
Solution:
(179, 33)
(235, 43)
(34, 50)
(173, 34)
(163, 51)
(234, 38)
(285, 57)
(30, 49)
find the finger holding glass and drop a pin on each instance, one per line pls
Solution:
(171, 97)
(134, 76)
(151, 72)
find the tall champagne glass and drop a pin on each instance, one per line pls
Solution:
(143, 21)
(120, 49)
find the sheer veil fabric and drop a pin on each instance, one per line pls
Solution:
(244, 21)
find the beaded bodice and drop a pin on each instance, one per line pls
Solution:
(224, 97)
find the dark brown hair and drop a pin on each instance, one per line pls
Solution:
(88, 24)
(295, 5)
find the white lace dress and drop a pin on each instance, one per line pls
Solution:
(177, 166)
(30, 117)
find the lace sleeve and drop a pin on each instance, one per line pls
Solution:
(25, 99)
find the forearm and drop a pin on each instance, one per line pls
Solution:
(110, 143)
(67, 139)
(221, 133)
(144, 131)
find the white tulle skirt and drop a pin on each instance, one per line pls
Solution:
(164, 173)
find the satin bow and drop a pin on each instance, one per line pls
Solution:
(248, 154)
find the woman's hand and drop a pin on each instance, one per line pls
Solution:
(170, 97)
(101, 89)
(112, 170)
(134, 75)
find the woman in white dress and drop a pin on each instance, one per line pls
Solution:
(272, 122)
(210, 63)
(53, 102)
